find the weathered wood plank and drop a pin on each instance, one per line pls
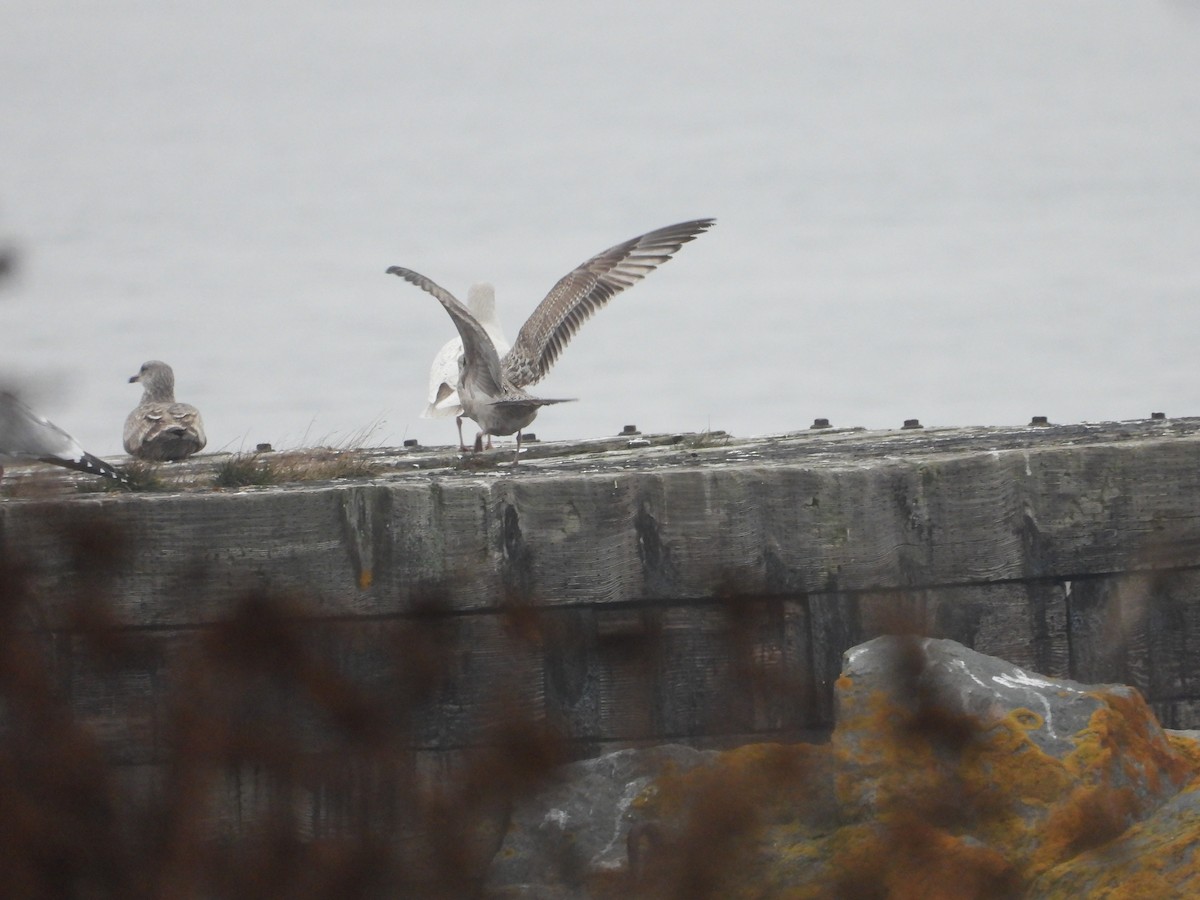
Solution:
(625, 600)
(1141, 629)
(799, 525)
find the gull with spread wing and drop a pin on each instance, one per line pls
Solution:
(491, 390)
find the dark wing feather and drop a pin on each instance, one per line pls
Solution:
(483, 364)
(579, 294)
(89, 464)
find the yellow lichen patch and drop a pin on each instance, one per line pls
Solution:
(715, 821)
(1007, 759)
(1090, 816)
(1189, 749)
(933, 803)
(1000, 787)
(951, 765)
(1123, 731)
(1120, 748)
(1159, 857)
(1037, 779)
(1027, 719)
(773, 776)
(906, 858)
(880, 755)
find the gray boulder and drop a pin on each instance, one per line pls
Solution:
(949, 774)
(575, 832)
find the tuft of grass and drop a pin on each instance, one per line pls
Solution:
(707, 438)
(140, 475)
(325, 464)
(320, 464)
(245, 470)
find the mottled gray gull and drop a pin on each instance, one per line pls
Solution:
(443, 374)
(160, 428)
(27, 437)
(491, 389)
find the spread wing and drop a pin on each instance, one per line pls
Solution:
(483, 365)
(578, 295)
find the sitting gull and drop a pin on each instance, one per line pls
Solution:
(491, 389)
(443, 374)
(159, 428)
(27, 437)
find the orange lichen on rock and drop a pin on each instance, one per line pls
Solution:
(1124, 740)
(781, 780)
(907, 858)
(930, 791)
(1188, 748)
(1006, 759)
(1090, 816)
(1157, 857)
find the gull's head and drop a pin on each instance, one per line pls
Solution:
(157, 378)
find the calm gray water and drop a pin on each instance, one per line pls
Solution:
(966, 213)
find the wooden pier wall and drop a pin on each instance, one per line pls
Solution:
(700, 589)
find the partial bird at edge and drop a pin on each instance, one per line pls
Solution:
(26, 436)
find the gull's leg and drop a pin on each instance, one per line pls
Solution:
(461, 444)
(517, 458)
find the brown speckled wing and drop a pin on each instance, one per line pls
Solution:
(578, 295)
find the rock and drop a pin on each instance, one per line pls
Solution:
(574, 833)
(1004, 771)
(1158, 857)
(950, 774)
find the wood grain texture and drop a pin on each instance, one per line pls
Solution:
(699, 595)
(854, 523)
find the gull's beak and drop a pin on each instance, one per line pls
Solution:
(133, 378)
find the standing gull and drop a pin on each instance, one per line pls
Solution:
(159, 428)
(443, 374)
(27, 437)
(491, 390)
